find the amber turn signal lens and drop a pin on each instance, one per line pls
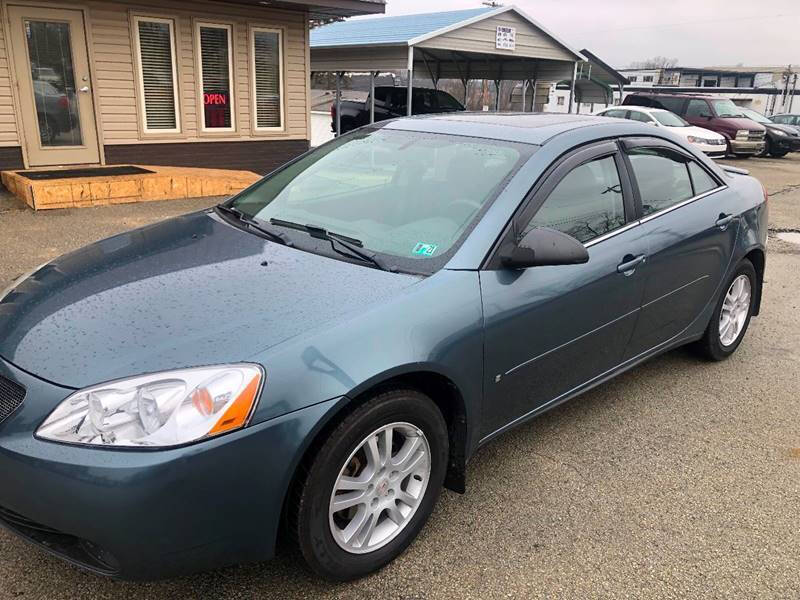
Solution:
(237, 414)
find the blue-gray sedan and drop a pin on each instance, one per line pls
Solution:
(324, 352)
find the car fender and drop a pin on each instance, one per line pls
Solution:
(435, 326)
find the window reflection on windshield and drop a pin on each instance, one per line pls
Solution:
(407, 194)
(755, 116)
(668, 119)
(726, 108)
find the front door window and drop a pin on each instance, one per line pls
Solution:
(55, 98)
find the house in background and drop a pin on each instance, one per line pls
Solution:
(222, 84)
(766, 89)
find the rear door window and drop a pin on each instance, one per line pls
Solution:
(662, 176)
(640, 116)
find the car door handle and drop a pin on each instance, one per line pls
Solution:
(723, 221)
(629, 264)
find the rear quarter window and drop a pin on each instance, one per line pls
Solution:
(701, 180)
(671, 104)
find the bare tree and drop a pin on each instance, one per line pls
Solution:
(314, 23)
(657, 62)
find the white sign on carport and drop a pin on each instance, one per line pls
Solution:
(462, 45)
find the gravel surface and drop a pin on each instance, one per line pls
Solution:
(680, 478)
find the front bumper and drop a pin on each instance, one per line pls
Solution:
(746, 146)
(785, 144)
(712, 150)
(148, 514)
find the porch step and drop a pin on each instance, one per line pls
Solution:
(164, 183)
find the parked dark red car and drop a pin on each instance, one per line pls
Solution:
(745, 136)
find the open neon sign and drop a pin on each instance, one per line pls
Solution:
(215, 99)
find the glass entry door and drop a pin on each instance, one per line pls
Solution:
(52, 67)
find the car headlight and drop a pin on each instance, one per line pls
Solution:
(694, 140)
(778, 132)
(159, 410)
(743, 133)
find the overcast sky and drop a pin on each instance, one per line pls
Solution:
(698, 33)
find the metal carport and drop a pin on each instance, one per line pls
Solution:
(463, 45)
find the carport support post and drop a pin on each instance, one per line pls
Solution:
(572, 86)
(339, 103)
(372, 97)
(410, 96)
(497, 83)
(524, 86)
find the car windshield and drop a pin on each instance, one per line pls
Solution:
(754, 115)
(410, 195)
(447, 102)
(726, 108)
(668, 119)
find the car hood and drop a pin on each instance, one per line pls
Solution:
(784, 128)
(700, 132)
(189, 291)
(743, 123)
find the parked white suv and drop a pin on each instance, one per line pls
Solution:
(710, 142)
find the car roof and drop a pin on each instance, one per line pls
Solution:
(647, 109)
(677, 95)
(527, 128)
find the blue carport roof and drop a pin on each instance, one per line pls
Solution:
(389, 30)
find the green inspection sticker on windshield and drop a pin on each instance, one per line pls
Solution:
(422, 249)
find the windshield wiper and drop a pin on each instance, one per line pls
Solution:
(354, 246)
(253, 224)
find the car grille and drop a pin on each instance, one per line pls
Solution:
(74, 549)
(11, 396)
(756, 136)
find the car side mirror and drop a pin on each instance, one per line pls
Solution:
(543, 247)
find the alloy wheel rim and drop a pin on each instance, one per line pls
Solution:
(735, 309)
(379, 488)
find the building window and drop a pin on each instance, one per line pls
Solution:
(560, 101)
(647, 78)
(216, 67)
(158, 87)
(633, 78)
(267, 70)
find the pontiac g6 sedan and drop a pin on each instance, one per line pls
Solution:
(321, 354)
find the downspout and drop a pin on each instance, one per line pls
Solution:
(409, 97)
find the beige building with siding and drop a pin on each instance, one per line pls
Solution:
(221, 84)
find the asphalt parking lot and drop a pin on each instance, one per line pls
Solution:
(678, 479)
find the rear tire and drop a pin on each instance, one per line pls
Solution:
(391, 497)
(732, 314)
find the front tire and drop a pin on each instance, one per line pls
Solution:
(732, 314)
(767, 149)
(371, 485)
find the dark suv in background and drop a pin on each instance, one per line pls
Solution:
(787, 119)
(781, 139)
(392, 102)
(745, 137)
